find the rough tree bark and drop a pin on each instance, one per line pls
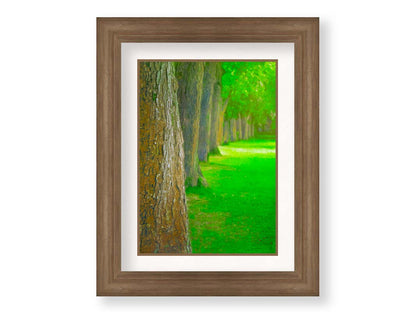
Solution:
(205, 115)
(222, 109)
(215, 112)
(190, 76)
(163, 209)
(220, 125)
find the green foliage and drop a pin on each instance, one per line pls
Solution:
(231, 215)
(250, 88)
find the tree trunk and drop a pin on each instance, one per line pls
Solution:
(233, 130)
(215, 112)
(205, 115)
(220, 136)
(239, 134)
(190, 76)
(220, 126)
(213, 145)
(226, 133)
(163, 209)
(244, 127)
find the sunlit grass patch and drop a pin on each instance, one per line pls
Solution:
(237, 212)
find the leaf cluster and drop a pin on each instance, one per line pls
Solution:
(250, 89)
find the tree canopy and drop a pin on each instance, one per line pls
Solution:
(250, 89)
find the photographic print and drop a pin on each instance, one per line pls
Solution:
(207, 157)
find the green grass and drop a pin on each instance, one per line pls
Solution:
(237, 212)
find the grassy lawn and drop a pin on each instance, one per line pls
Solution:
(237, 212)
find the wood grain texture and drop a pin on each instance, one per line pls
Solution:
(304, 33)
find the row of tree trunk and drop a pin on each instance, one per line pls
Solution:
(201, 115)
(237, 129)
(181, 123)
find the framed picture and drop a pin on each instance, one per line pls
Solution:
(207, 156)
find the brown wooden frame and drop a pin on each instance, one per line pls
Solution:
(304, 33)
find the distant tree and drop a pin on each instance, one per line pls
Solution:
(210, 79)
(217, 107)
(250, 88)
(190, 77)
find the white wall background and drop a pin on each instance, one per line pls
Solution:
(47, 151)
